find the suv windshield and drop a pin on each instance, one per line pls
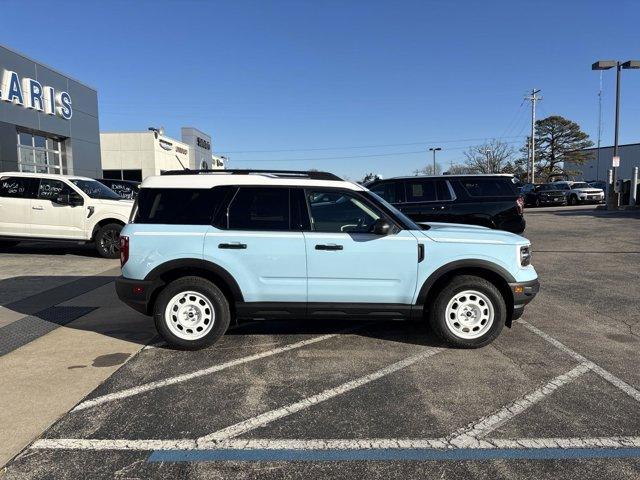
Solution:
(580, 185)
(96, 190)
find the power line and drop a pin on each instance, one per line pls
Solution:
(309, 159)
(426, 142)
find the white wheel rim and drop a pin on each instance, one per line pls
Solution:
(469, 314)
(189, 315)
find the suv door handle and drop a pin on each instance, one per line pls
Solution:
(331, 246)
(234, 246)
(37, 207)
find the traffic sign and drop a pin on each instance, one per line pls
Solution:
(615, 162)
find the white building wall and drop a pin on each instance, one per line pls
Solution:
(141, 151)
(594, 170)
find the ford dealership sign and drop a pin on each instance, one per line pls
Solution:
(29, 93)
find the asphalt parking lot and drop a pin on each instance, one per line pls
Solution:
(557, 395)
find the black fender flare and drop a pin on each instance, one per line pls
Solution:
(198, 264)
(458, 265)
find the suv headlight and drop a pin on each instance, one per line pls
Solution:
(525, 255)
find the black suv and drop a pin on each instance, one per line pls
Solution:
(126, 189)
(486, 200)
(543, 194)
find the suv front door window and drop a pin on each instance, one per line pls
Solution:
(337, 212)
(346, 262)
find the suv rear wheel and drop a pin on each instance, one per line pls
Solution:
(108, 240)
(469, 312)
(191, 313)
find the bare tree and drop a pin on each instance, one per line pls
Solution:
(490, 157)
(428, 170)
(458, 169)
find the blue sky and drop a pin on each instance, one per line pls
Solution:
(345, 86)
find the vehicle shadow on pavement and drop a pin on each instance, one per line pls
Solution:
(49, 248)
(635, 214)
(399, 331)
(27, 318)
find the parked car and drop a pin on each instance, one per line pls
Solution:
(127, 189)
(543, 194)
(203, 248)
(580, 192)
(38, 206)
(487, 200)
(598, 184)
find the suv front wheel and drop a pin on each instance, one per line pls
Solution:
(469, 312)
(191, 313)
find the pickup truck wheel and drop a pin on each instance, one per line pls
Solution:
(469, 312)
(191, 313)
(108, 240)
(573, 200)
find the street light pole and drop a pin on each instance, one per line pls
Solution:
(613, 199)
(434, 150)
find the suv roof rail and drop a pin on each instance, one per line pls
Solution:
(312, 175)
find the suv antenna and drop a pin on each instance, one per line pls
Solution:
(183, 167)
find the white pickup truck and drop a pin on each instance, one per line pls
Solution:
(40, 206)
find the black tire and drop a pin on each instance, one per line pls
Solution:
(538, 202)
(221, 318)
(437, 312)
(573, 200)
(108, 240)
(8, 243)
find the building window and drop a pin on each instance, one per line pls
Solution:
(40, 154)
(135, 175)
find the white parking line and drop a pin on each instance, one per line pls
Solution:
(130, 392)
(330, 444)
(470, 435)
(608, 376)
(273, 415)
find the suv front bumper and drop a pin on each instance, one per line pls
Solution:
(523, 293)
(137, 293)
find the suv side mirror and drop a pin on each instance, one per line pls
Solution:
(381, 227)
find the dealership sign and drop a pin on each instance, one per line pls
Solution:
(29, 93)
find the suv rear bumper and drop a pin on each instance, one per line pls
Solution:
(137, 293)
(523, 293)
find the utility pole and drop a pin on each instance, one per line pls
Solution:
(533, 98)
(434, 150)
(599, 127)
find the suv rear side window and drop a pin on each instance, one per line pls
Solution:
(18, 187)
(421, 191)
(489, 187)
(390, 191)
(259, 208)
(178, 206)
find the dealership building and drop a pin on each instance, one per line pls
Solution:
(598, 162)
(136, 155)
(48, 120)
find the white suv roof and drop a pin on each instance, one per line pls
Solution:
(208, 179)
(54, 176)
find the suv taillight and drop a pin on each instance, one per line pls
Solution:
(520, 205)
(124, 250)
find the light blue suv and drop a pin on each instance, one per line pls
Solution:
(204, 247)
